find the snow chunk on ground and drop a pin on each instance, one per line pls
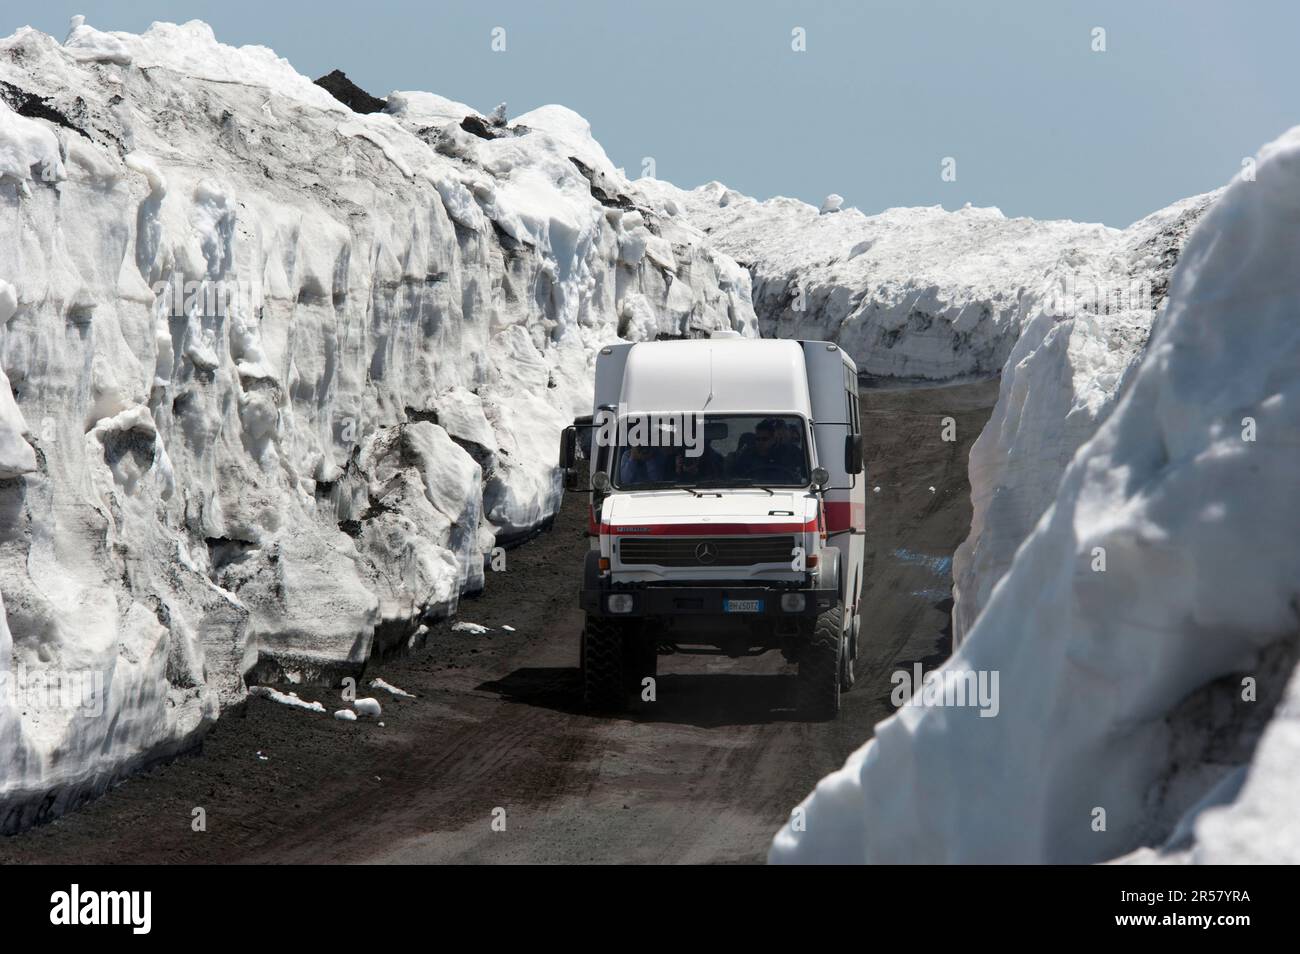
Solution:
(367, 707)
(474, 629)
(345, 715)
(391, 689)
(285, 698)
(1188, 488)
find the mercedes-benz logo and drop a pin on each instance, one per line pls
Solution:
(706, 552)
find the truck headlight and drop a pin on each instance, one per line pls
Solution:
(619, 602)
(793, 602)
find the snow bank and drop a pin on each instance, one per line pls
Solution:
(912, 293)
(274, 376)
(1122, 703)
(1259, 823)
(1087, 324)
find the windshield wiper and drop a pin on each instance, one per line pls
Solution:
(661, 485)
(735, 482)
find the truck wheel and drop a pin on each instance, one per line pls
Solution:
(847, 676)
(640, 659)
(603, 671)
(821, 667)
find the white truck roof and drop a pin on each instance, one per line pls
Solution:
(715, 376)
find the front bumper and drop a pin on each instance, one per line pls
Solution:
(657, 600)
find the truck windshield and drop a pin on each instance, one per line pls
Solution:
(731, 450)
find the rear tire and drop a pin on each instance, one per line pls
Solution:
(821, 666)
(604, 669)
(850, 653)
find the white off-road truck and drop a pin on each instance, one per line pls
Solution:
(727, 511)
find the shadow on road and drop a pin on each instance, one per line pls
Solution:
(703, 700)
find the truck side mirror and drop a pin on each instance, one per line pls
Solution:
(853, 454)
(573, 467)
(568, 447)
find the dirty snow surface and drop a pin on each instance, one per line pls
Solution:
(275, 376)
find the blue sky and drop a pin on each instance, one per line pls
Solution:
(1039, 123)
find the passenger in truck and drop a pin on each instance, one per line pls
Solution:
(641, 465)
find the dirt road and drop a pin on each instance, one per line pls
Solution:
(706, 774)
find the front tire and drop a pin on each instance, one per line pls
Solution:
(604, 669)
(640, 659)
(821, 667)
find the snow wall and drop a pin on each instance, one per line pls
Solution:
(1146, 635)
(275, 375)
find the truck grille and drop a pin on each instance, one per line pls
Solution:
(697, 551)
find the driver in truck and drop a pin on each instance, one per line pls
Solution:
(771, 456)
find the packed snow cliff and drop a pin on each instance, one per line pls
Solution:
(275, 375)
(1147, 632)
(914, 294)
(1083, 331)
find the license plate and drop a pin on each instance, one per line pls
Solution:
(742, 606)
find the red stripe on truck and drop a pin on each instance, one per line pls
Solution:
(701, 529)
(845, 515)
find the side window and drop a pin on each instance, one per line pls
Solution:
(851, 412)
